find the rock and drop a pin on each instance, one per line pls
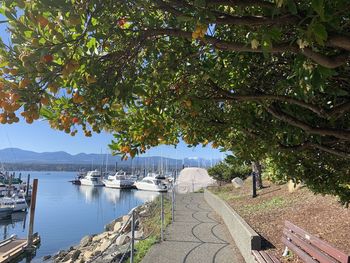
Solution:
(237, 182)
(292, 186)
(96, 253)
(137, 234)
(125, 218)
(66, 258)
(75, 255)
(100, 236)
(122, 239)
(117, 226)
(143, 212)
(61, 254)
(104, 245)
(85, 241)
(46, 257)
(87, 254)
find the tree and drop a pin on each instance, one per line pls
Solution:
(259, 78)
(226, 170)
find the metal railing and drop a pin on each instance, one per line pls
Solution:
(134, 221)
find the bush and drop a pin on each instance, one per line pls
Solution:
(227, 170)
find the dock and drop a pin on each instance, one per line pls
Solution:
(13, 247)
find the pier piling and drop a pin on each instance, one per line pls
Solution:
(32, 213)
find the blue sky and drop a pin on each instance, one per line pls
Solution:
(40, 137)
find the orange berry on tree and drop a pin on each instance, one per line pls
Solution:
(47, 58)
(121, 22)
(75, 120)
(44, 100)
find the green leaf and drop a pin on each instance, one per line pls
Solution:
(94, 21)
(184, 18)
(292, 7)
(199, 3)
(91, 43)
(320, 33)
(318, 6)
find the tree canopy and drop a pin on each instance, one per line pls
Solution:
(265, 79)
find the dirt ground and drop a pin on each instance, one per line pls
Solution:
(321, 216)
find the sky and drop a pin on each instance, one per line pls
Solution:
(39, 137)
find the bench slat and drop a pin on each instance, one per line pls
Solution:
(308, 248)
(257, 256)
(330, 250)
(268, 257)
(298, 251)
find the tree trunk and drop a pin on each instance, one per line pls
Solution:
(256, 167)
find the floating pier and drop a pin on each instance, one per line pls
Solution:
(13, 247)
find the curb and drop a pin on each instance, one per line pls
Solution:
(245, 237)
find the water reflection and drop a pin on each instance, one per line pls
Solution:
(16, 220)
(145, 196)
(112, 195)
(90, 193)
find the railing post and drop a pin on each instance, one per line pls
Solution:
(132, 236)
(161, 216)
(173, 205)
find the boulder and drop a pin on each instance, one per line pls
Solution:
(100, 236)
(85, 241)
(66, 258)
(117, 226)
(237, 182)
(61, 254)
(75, 255)
(292, 186)
(137, 234)
(103, 246)
(125, 218)
(122, 239)
(46, 257)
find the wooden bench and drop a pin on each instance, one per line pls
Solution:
(262, 256)
(310, 248)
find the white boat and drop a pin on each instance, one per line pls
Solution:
(18, 203)
(92, 178)
(151, 184)
(118, 180)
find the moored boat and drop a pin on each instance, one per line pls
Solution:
(92, 178)
(149, 183)
(18, 203)
(118, 180)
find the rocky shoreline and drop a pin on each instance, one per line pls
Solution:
(108, 246)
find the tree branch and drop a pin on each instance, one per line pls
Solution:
(242, 3)
(339, 42)
(341, 134)
(308, 145)
(328, 62)
(255, 20)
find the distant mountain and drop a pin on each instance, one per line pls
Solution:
(19, 156)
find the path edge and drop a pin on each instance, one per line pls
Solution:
(244, 236)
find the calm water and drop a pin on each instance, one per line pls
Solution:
(65, 213)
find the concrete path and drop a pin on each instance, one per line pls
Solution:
(197, 236)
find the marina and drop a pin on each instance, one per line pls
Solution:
(88, 209)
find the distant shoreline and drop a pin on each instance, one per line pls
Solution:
(37, 167)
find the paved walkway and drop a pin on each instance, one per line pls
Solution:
(197, 236)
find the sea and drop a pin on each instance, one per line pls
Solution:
(65, 213)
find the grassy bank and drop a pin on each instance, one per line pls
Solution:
(151, 223)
